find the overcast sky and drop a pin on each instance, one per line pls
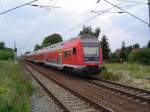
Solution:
(29, 25)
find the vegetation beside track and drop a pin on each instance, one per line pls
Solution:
(5, 52)
(15, 91)
(133, 74)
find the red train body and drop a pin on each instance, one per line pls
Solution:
(82, 55)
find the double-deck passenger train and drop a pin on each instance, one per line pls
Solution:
(82, 55)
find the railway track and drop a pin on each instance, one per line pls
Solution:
(69, 100)
(138, 95)
(100, 92)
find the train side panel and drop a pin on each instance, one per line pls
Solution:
(72, 55)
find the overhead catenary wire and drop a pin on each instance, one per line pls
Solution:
(4, 15)
(53, 5)
(35, 29)
(43, 22)
(125, 11)
(40, 6)
(126, 6)
(9, 10)
(99, 12)
(133, 1)
(6, 19)
(45, 6)
(132, 5)
(92, 18)
(83, 13)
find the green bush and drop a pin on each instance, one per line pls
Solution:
(5, 55)
(142, 56)
(114, 58)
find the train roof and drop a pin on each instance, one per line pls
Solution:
(87, 36)
(67, 44)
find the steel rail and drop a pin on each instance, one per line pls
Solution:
(123, 89)
(125, 86)
(48, 92)
(102, 108)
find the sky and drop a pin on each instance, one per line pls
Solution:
(29, 25)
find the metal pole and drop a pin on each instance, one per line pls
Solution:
(149, 11)
(14, 51)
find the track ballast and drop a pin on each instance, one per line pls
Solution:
(103, 96)
(69, 100)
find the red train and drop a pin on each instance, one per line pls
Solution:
(82, 55)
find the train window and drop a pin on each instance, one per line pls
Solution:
(69, 53)
(65, 54)
(74, 51)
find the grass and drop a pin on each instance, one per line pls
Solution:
(135, 70)
(15, 91)
(134, 74)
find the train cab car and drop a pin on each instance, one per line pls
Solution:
(91, 54)
(82, 55)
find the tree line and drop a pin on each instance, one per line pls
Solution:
(132, 53)
(5, 52)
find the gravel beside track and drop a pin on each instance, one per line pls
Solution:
(107, 98)
(139, 95)
(71, 102)
(40, 100)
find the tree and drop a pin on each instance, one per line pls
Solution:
(105, 47)
(27, 52)
(52, 39)
(2, 45)
(148, 45)
(142, 56)
(89, 30)
(114, 58)
(123, 53)
(86, 30)
(37, 46)
(136, 46)
(129, 49)
(97, 32)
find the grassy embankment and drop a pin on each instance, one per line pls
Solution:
(133, 74)
(15, 92)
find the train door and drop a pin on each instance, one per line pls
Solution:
(60, 58)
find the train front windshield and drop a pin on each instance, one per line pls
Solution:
(91, 52)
